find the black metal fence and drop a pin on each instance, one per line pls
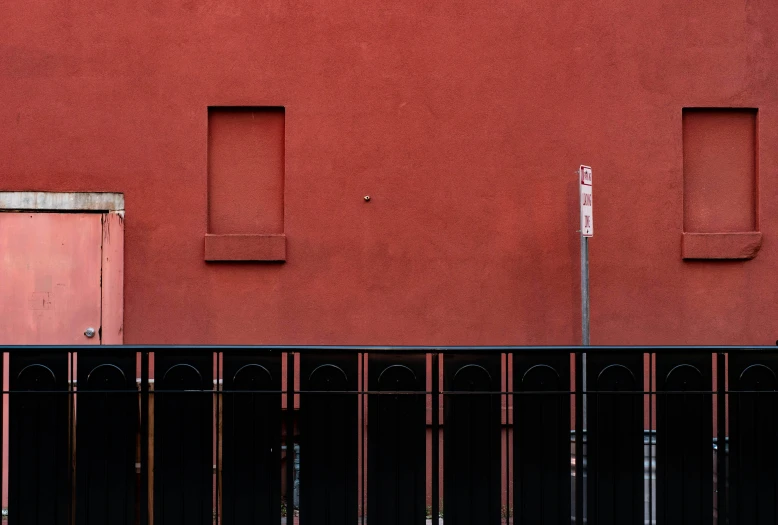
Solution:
(390, 436)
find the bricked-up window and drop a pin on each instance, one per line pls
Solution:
(245, 183)
(719, 170)
(719, 181)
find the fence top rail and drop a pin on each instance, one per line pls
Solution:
(302, 349)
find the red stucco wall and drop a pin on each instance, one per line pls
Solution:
(464, 121)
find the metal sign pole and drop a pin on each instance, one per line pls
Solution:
(587, 230)
(584, 291)
(584, 317)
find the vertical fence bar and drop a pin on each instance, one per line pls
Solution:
(543, 481)
(684, 435)
(39, 433)
(471, 448)
(183, 431)
(2, 423)
(290, 437)
(435, 442)
(397, 439)
(329, 425)
(252, 438)
(650, 439)
(362, 403)
(507, 448)
(106, 439)
(721, 437)
(144, 437)
(72, 438)
(365, 432)
(614, 439)
(217, 400)
(579, 499)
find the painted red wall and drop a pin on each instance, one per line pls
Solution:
(464, 122)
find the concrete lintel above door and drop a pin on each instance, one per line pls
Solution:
(64, 201)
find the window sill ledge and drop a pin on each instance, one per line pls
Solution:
(245, 247)
(722, 246)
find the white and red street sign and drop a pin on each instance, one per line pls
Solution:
(585, 185)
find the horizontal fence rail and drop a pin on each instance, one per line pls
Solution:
(389, 436)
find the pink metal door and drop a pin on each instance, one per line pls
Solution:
(50, 278)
